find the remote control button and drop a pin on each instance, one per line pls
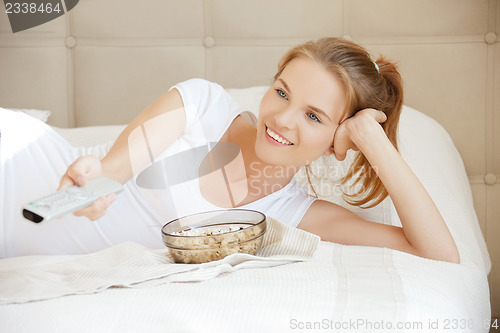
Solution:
(44, 206)
(77, 193)
(72, 190)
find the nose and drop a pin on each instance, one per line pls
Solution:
(286, 118)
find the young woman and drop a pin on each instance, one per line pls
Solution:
(328, 97)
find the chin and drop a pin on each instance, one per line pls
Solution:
(261, 152)
(267, 156)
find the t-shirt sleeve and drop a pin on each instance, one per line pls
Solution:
(207, 105)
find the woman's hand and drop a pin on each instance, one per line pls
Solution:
(353, 132)
(79, 173)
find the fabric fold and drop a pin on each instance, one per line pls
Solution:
(130, 265)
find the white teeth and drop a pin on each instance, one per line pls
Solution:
(277, 137)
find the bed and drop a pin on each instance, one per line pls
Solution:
(317, 286)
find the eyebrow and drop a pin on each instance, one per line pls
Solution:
(309, 106)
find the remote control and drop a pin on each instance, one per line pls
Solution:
(70, 199)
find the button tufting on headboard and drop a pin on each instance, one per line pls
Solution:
(209, 42)
(70, 42)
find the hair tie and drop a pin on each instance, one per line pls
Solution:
(376, 66)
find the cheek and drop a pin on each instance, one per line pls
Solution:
(265, 103)
(319, 139)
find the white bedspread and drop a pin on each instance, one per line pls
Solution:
(341, 288)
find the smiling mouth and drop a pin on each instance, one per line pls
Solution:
(276, 137)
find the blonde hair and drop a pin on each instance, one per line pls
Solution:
(367, 86)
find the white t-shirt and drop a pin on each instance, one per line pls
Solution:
(33, 157)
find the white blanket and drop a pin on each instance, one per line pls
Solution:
(342, 288)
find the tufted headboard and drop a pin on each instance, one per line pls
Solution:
(106, 60)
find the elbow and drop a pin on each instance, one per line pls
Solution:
(454, 257)
(447, 254)
(451, 256)
(442, 252)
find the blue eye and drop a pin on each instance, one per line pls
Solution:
(281, 93)
(313, 117)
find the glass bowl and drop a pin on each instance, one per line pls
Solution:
(213, 235)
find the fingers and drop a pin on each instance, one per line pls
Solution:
(72, 177)
(355, 130)
(98, 208)
(379, 116)
(342, 142)
(65, 183)
(80, 171)
(340, 156)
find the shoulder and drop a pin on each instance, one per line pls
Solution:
(202, 93)
(198, 84)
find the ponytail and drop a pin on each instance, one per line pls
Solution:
(388, 98)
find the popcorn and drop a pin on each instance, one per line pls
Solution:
(204, 244)
(206, 231)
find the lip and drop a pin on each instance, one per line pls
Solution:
(271, 140)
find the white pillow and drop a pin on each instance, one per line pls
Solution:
(42, 115)
(91, 136)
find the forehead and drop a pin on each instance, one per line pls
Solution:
(312, 85)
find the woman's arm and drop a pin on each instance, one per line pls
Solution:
(158, 126)
(339, 225)
(423, 231)
(150, 133)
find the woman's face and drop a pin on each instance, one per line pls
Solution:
(299, 115)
